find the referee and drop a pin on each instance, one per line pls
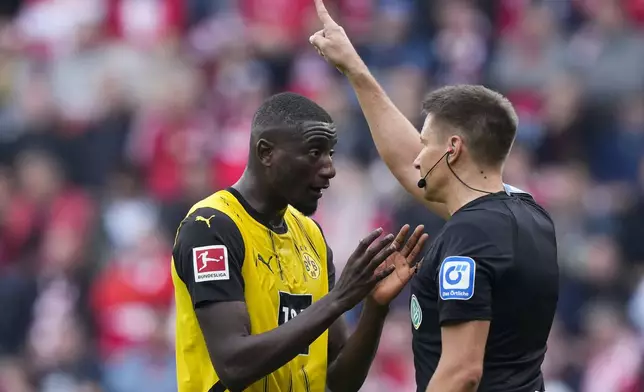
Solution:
(484, 300)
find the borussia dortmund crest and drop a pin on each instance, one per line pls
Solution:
(311, 266)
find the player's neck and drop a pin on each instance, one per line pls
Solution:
(258, 196)
(460, 194)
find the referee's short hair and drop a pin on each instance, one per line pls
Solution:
(287, 110)
(484, 118)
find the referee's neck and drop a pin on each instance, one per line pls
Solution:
(459, 194)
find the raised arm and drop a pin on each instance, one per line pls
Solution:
(396, 139)
(240, 358)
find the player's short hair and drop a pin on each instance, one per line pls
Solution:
(484, 118)
(286, 110)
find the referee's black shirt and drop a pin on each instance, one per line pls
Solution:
(495, 259)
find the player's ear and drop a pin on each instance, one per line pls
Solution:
(264, 151)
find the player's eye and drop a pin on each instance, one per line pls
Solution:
(315, 153)
(331, 152)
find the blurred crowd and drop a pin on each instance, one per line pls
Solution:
(117, 115)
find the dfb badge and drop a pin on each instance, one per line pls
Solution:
(415, 312)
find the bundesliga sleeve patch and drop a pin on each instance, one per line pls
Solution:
(456, 278)
(210, 263)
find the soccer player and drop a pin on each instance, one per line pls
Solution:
(484, 300)
(257, 308)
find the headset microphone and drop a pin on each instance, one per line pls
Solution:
(423, 182)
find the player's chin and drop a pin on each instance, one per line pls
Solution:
(306, 207)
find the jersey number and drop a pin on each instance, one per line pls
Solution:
(290, 306)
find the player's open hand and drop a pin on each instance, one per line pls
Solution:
(333, 44)
(404, 263)
(363, 270)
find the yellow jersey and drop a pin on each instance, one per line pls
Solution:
(226, 251)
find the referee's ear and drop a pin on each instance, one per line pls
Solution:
(455, 148)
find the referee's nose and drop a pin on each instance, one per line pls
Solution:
(417, 162)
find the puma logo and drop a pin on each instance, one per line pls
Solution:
(202, 219)
(266, 263)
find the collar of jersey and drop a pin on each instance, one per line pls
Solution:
(491, 196)
(258, 216)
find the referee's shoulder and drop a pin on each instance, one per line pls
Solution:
(479, 217)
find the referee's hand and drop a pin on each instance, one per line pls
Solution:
(404, 262)
(333, 44)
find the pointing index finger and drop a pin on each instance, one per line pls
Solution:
(323, 14)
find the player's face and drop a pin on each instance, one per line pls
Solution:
(304, 168)
(434, 148)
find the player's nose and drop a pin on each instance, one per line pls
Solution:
(327, 171)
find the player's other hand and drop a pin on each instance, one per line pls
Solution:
(333, 44)
(359, 276)
(404, 262)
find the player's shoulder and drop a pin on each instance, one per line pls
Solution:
(203, 223)
(207, 229)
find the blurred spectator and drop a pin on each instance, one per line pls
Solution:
(128, 212)
(460, 44)
(13, 376)
(129, 293)
(149, 367)
(530, 53)
(67, 364)
(614, 357)
(606, 51)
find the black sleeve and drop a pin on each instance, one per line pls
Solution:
(208, 255)
(470, 263)
(330, 267)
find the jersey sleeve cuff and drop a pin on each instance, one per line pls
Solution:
(450, 319)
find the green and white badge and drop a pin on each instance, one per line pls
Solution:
(415, 312)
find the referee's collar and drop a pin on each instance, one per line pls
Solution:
(490, 196)
(509, 189)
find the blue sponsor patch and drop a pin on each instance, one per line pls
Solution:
(456, 278)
